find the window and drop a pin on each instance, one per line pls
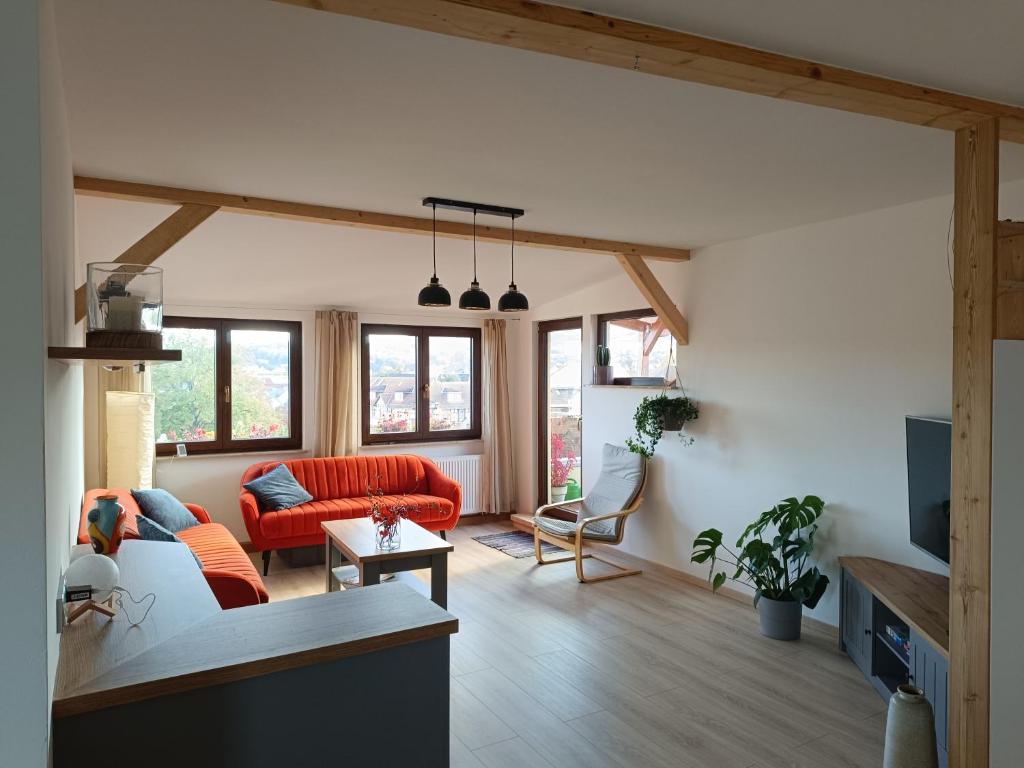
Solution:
(639, 343)
(420, 383)
(238, 386)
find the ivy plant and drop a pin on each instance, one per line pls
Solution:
(656, 414)
(773, 553)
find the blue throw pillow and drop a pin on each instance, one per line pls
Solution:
(158, 505)
(150, 530)
(278, 489)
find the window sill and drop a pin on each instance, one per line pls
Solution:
(425, 444)
(232, 454)
(629, 386)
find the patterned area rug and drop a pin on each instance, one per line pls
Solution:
(516, 544)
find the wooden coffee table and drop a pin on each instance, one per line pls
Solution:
(353, 542)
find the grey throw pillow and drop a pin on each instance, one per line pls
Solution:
(278, 489)
(160, 506)
(150, 530)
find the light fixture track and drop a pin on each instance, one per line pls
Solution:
(471, 207)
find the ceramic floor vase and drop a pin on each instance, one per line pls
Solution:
(780, 619)
(910, 731)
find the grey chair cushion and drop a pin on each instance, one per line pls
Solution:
(602, 531)
(622, 476)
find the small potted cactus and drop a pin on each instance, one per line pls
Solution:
(602, 365)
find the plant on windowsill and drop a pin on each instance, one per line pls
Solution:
(772, 558)
(656, 415)
(602, 365)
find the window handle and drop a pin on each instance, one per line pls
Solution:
(227, 394)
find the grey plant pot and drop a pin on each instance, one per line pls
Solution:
(910, 731)
(603, 374)
(780, 619)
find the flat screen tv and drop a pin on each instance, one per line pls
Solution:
(929, 444)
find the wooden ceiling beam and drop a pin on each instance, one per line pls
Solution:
(648, 285)
(599, 39)
(126, 190)
(156, 242)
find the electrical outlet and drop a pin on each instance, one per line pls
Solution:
(60, 604)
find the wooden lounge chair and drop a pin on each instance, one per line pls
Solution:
(599, 517)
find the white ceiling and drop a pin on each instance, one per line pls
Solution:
(254, 97)
(965, 46)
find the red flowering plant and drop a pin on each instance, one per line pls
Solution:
(263, 430)
(387, 517)
(562, 461)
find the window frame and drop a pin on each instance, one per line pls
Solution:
(421, 388)
(224, 442)
(629, 314)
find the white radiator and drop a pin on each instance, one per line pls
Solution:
(465, 470)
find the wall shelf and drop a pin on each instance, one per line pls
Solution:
(113, 355)
(629, 386)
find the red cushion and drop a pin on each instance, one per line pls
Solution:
(305, 519)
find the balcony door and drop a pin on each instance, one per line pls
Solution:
(560, 410)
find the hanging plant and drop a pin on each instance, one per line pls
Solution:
(656, 415)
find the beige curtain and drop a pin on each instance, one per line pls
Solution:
(499, 482)
(337, 384)
(125, 379)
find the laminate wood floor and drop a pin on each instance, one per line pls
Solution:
(641, 671)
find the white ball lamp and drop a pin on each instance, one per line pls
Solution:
(98, 573)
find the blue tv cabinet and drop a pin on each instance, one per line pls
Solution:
(894, 625)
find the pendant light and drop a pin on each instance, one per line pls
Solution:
(474, 298)
(512, 300)
(434, 294)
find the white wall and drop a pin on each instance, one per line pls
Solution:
(807, 349)
(1007, 532)
(614, 295)
(63, 383)
(41, 460)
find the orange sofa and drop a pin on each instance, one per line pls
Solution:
(338, 486)
(228, 570)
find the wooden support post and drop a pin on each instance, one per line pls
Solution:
(156, 242)
(976, 195)
(660, 302)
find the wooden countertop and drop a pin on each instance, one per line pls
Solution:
(104, 664)
(920, 598)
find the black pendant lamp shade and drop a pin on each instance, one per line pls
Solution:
(434, 294)
(474, 298)
(512, 300)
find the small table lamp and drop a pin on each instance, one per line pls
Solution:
(94, 578)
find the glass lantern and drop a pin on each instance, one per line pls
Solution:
(125, 305)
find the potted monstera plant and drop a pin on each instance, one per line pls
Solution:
(773, 557)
